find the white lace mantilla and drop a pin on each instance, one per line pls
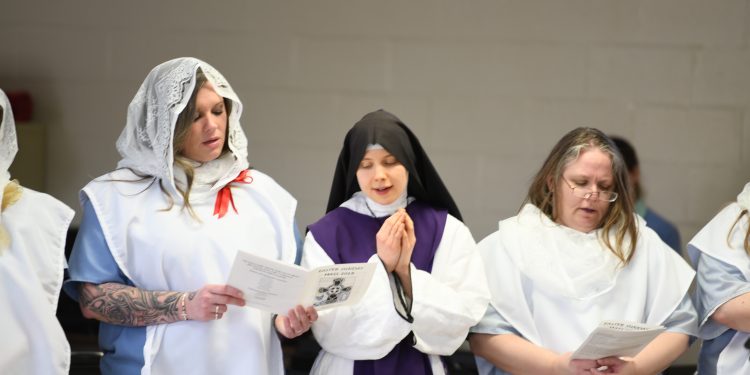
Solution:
(146, 142)
(8, 143)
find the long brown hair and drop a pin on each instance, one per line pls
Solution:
(620, 217)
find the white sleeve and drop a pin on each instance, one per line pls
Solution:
(454, 297)
(367, 330)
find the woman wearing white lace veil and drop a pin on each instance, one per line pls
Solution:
(32, 259)
(569, 260)
(720, 253)
(159, 234)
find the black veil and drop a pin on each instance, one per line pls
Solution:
(385, 129)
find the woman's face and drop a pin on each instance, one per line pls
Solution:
(592, 172)
(381, 176)
(205, 138)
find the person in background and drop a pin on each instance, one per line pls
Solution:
(33, 227)
(159, 235)
(720, 253)
(575, 255)
(389, 206)
(665, 229)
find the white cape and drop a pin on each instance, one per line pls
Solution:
(554, 284)
(169, 250)
(31, 273)
(712, 240)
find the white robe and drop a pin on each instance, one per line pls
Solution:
(712, 240)
(171, 251)
(446, 303)
(554, 284)
(31, 273)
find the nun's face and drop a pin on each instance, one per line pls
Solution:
(205, 139)
(381, 176)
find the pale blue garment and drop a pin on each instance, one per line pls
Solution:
(492, 323)
(92, 262)
(717, 283)
(682, 320)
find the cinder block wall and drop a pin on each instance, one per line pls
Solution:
(488, 86)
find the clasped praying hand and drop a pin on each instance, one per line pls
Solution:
(395, 242)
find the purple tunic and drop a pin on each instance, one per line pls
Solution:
(349, 237)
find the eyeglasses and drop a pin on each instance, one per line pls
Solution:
(602, 195)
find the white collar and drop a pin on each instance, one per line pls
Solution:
(207, 176)
(360, 203)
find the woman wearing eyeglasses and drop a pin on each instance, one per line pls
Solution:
(575, 255)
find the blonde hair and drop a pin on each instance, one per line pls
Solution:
(181, 130)
(182, 127)
(746, 242)
(12, 192)
(620, 217)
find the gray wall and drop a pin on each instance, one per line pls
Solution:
(488, 86)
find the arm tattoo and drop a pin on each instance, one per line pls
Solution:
(129, 306)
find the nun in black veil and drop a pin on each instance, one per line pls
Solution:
(388, 205)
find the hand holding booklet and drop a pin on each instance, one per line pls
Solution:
(277, 287)
(614, 338)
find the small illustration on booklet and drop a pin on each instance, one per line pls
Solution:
(335, 292)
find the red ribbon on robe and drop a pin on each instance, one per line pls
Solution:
(224, 198)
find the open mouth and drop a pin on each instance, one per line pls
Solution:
(213, 142)
(382, 190)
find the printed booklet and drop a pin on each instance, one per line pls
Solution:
(277, 287)
(614, 338)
